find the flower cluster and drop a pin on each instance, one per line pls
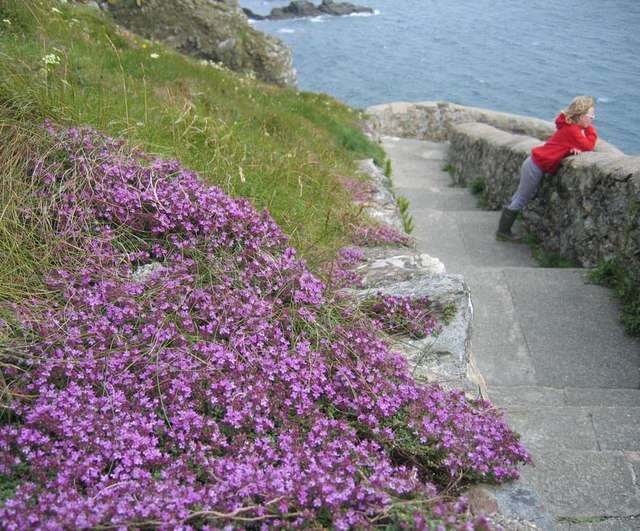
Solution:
(361, 191)
(378, 234)
(190, 373)
(399, 314)
(341, 271)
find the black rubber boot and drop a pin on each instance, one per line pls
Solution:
(504, 227)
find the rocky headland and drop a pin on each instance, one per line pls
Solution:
(215, 30)
(303, 8)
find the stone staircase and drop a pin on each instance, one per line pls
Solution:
(550, 348)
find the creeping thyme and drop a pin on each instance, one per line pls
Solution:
(402, 314)
(373, 235)
(186, 374)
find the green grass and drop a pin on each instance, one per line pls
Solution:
(281, 148)
(546, 258)
(407, 219)
(448, 313)
(387, 169)
(478, 187)
(450, 169)
(626, 285)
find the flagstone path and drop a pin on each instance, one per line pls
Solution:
(548, 344)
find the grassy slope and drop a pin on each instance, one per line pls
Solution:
(283, 149)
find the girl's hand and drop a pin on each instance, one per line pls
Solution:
(575, 151)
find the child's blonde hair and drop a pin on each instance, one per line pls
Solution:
(578, 108)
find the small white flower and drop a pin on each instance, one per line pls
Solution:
(51, 59)
(56, 10)
(6, 21)
(139, 124)
(154, 55)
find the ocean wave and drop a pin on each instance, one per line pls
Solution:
(375, 12)
(604, 99)
(286, 30)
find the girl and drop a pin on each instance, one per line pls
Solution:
(574, 135)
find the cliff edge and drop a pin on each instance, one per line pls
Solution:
(215, 30)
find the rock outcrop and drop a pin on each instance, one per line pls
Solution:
(445, 358)
(303, 8)
(215, 30)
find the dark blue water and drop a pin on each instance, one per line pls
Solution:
(523, 56)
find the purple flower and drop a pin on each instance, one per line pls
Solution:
(193, 373)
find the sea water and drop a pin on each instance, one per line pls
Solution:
(526, 57)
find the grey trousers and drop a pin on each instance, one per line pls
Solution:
(530, 177)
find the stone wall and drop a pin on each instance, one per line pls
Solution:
(588, 211)
(434, 120)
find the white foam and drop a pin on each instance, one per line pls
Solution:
(286, 30)
(375, 12)
(604, 99)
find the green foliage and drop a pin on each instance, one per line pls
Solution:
(450, 169)
(626, 285)
(8, 488)
(387, 168)
(407, 219)
(546, 258)
(347, 135)
(8, 485)
(282, 149)
(478, 187)
(448, 313)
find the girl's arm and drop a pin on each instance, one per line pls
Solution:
(583, 141)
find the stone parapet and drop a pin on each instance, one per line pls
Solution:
(587, 212)
(434, 120)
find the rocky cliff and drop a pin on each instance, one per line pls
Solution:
(303, 8)
(216, 30)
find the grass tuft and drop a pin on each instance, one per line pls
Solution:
(544, 257)
(626, 285)
(407, 218)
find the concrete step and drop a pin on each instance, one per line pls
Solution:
(595, 428)
(435, 196)
(549, 327)
(534, 396)
(599, 523)
(465, 238)
(579, 486)
(551, 349)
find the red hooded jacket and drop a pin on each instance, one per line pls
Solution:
(567, 137)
